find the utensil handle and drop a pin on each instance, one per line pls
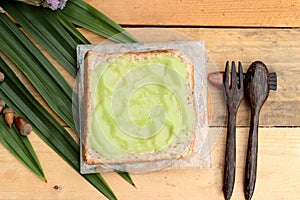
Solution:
(251, 161)
(230, 156)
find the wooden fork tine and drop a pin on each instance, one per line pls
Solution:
(241, 75)
(226, 76)
(233, 75)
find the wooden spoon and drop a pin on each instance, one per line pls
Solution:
(257, 87)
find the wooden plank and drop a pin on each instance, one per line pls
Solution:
(266, 13)
(279, 49)
(278, 147)
(278, 166)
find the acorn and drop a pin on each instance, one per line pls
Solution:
(2, 77)
(2, 10)
(216, 78)
(22, 125)
(2, 104)
(9, 116)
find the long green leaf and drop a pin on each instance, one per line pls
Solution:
(55, 33)
(21, 148)
(126, 176)
(70, 28)
(86, 16)
(48, 29)
(46, 127)
(37, 68)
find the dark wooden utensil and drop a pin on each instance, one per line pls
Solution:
(258, 82)
(234, 93)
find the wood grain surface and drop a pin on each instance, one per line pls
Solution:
(279, 132)
(277, 178)
(267, 13)
(277, 48)
(279, 140)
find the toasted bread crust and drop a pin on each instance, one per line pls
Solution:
(91, 60)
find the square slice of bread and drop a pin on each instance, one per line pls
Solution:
(178, 148)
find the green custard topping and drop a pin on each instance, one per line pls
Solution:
(139, 105)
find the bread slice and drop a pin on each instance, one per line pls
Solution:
(96, 149)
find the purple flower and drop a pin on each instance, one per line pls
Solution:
(56, 4)
(52, 4)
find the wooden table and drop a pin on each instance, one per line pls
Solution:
(246, 31)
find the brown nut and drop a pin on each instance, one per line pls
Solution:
(9, 116)
(2, 104)
(2, 77)
(216, 78)
(23, 126)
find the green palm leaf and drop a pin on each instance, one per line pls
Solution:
(59, 38)
(51, 30)
(126, 176)
(86, 16)
(70, 28)
(20, 147)
(46, 127)
(37, 68)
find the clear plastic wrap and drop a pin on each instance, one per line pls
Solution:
(192, 50)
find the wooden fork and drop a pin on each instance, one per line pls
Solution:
(234, 93)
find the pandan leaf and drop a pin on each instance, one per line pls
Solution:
(59, 38)
(45, 125)
(82, 14)
(20, 147)
(37, 68)
(51, 30)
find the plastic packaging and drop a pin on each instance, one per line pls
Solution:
(195, 52)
